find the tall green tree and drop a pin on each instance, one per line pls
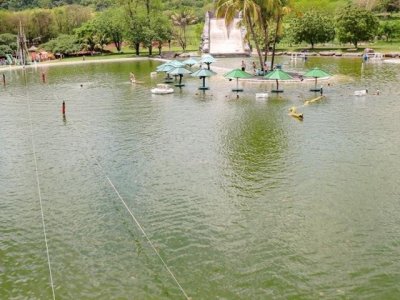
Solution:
(313, 27)
(162, 29)
(265, 20)
(69, 17)
(5, 49)
(181, 20)
(41, 25)
(87, 35)
(64, 44)
(281, 8)
(8, 43)
(389, 30)
(111, 23)
(355, 24)
(136, 31)
(135, 22)
(5, 21)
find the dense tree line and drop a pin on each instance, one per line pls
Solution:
(70, 28)
(147, 24)
(98, 5)
(43, 24)
(16, 5)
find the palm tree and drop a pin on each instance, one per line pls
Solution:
(266, 15)
(281, 8)
(250, 10)
(181, 20)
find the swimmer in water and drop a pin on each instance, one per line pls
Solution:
(132, 77)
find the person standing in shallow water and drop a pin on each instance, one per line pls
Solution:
(265, 67)
(132, 77)
(254, 68)
(243, 66)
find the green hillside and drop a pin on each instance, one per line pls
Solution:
(202, 5)
(171, 4)
(97, 4)
(331, 6)
(323, 5)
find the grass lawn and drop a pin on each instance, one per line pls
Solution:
(378, 46)
(126, 53)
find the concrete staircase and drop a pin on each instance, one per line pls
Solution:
(218, 40)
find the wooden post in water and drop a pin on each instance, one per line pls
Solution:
(63, 108)
(4, 79)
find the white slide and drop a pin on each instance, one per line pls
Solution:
(226, 41)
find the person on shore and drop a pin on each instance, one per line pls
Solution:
(254, 68)
(243, 66)
(265, 67)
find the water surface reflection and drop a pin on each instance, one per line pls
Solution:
(241, 200)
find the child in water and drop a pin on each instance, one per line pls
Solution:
(132, 77)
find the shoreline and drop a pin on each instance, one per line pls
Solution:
(77, 62)
(105, 60)
(223, 70)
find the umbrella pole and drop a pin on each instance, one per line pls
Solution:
(315, 83)
(277, 85)
(204, 81)
(237, 83)
(180, 79)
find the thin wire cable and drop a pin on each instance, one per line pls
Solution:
(39, 189)
(132, 215)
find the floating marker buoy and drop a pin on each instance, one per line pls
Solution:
(361, 93)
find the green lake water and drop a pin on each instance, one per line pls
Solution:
(240, 200)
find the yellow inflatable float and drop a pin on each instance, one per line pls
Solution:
(293, 112)
(308, 102)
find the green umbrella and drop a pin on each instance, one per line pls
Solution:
(176, 63)
(179, 71)
(236, 74)
(161, 66)
(169, 66)
(316, 73)
(202, 74)
(207, 59)
(190, 62)
(278, 74)
(166, 68)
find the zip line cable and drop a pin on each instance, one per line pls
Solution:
(38, 185)
(100, 167)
